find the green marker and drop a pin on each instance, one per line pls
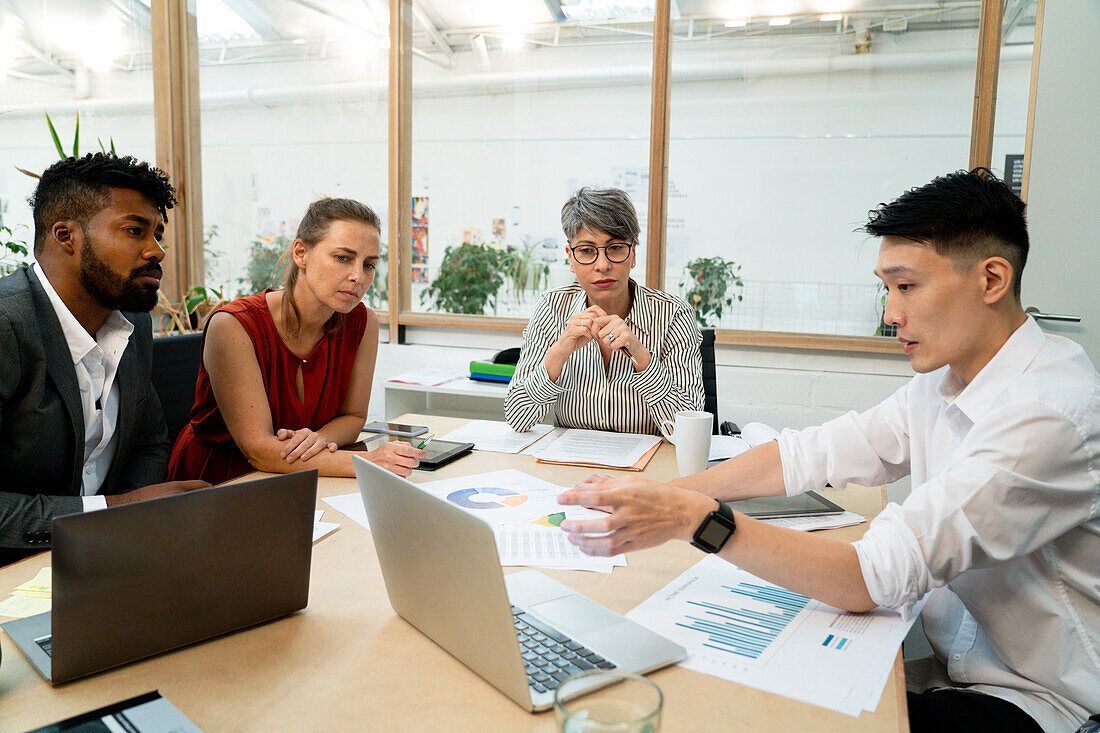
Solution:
(427, 440)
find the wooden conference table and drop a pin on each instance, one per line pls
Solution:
(347, 662)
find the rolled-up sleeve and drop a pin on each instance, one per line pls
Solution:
(869, 448)
(1021, 478)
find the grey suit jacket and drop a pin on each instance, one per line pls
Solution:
(42, 423)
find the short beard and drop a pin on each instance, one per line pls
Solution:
(110, 290)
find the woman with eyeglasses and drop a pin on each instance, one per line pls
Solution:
(606, 352)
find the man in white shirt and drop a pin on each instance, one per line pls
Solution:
(81, 427)
(1000, 430)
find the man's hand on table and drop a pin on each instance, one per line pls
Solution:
(155, 491)
(643, 514)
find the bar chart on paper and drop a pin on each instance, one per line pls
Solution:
(741, 628)
(746, 626)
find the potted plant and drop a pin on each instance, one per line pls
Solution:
(13, 252)
(525, 268)
(264, 255)
(711, 284)
(468, 280)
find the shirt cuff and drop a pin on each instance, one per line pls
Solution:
(539, 386)
(94, 502)
(892, 564)
(654, 383)
(796, 479)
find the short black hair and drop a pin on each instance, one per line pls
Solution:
(77, 189)
(965, 215)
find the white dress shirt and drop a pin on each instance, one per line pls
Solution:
(617, 398)
(96, 363)
(1002, 525)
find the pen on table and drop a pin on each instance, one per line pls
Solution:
(427, 440)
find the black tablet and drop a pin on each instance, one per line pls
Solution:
(768, 507)
(442, 452)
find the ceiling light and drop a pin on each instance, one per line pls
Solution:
(739, 23)
(783, 20)
(831, 17)
(513, 42)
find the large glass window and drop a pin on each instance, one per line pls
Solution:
(516, 106)
(293, 109)
(65, 60)
(1013, 87)
(785, 130)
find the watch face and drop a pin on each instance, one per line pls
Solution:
(713, 534)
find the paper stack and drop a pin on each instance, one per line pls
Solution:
(747, 630)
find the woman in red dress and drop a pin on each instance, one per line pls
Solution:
(286, 374)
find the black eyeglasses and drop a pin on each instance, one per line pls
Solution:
(586, 254)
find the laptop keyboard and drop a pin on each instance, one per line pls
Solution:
(550, 656)
(46, 642)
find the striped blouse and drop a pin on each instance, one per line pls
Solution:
(618, 399)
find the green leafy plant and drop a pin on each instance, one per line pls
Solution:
(191, 313)
(264, 255)
(61, 152)
(711, 284)
(525, 268)
(468, 280)
(13, 252)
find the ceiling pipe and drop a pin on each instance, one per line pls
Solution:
(539, 80)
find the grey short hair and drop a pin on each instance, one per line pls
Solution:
(606, 209)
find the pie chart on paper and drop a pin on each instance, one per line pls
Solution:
(485, 497)
(550, 520)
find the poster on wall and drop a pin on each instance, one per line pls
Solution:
(419, 233)
(498, 229)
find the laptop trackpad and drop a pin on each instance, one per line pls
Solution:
(575, 615)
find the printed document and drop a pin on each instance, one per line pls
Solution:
(428, 377)
(744, 629)
(498, 437)
(594, 448)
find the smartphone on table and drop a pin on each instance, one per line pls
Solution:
(395, 428)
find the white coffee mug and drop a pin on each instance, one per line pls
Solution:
(691, 436)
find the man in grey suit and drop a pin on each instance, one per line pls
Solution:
(81, 427)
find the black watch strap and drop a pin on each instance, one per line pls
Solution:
(716, 529)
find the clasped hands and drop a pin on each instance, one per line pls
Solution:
(612, 331)
(395, 456)
(642, 513)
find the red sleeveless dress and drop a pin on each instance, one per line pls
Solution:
(205, 449)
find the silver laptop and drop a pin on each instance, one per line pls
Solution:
(139, 579)
(523, 633)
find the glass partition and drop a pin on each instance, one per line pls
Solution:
(60, 61)
(514, 108)
(785, 130)
(1013, 89)
(293, 109)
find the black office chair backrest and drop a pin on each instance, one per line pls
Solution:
(175, 371)
(710, 377)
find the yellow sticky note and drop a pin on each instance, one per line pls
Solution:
(40, 584)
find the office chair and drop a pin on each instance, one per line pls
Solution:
(175, 371)
(710, 385)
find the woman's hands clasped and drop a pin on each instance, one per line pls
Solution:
(303, 444)
(611, 332)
